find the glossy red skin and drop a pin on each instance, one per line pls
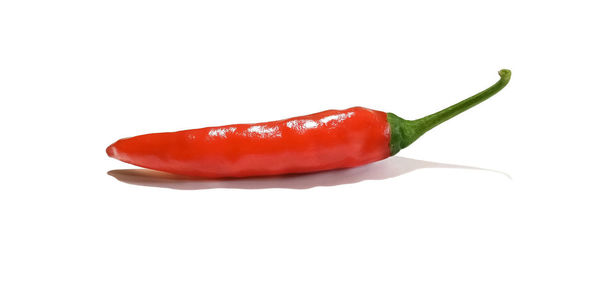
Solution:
(331, 139)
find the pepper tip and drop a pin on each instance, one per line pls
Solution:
(111, 151)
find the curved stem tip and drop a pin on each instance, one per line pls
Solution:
(405, 132)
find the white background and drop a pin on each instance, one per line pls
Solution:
(504, 193)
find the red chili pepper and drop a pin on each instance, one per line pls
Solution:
(331, 139)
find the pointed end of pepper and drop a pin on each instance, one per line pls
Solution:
(111, 151)
(127, 149)
(118, 151)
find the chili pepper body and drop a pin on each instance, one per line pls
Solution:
(326, 140)
(331, 139)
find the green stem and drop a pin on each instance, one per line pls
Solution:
(405, 132)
